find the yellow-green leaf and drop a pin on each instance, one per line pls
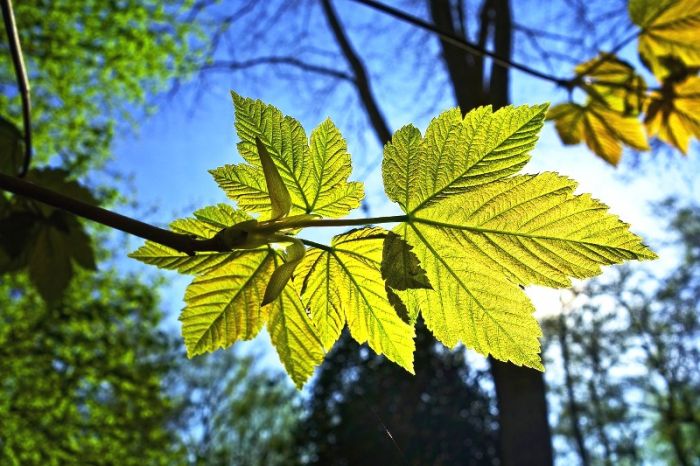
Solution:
(223, 304)
(282, 274)
(673, 114)
(280, 201)
(293, 336)
(457, 154)
(343, 283)
(603, 130)
(478, 245)
(669, 28)
(401, 268)
(316, 176)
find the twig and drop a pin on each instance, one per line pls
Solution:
(22, 81)
(459, 42)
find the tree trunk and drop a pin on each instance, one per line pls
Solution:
(522, 406)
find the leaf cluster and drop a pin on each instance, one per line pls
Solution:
(472, 233)
(620, 109)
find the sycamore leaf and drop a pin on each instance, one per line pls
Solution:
(669, 28)
(673, 114)
(603, 130)
(315, 176)
(224, 302)
(280, 201)
(293, 335)
(613, 83)
(457, 154)
(343, 283)
(479, 244)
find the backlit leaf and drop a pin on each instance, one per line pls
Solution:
(316, 175)
(477, 245)
(613, 83)
(344, 284)
(669, 28)
(603, 130)
(673, 113)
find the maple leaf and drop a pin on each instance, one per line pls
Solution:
(673, 113)
(604, 131)
(478, 243)
(669, 29)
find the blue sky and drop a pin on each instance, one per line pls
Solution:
(170, 154)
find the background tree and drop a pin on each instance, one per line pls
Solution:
(82, 379)
(365, 409)
(630, 356)
(235, 412)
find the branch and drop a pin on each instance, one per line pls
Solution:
(278, 60)
(177, 241)
(361, 79)
(461, 43)
(22, 81)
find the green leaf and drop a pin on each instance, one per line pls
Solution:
(669, 28)
(293, 335)
(206, 223)
(280, 201)
(223, 304)
(401, 268)
(316, 176)
(11, 147)
(344, 284)
(458, 154)
(480, 243)
(46, 241)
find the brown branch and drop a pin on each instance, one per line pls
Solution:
(361, 79)
(177, 241)
(22, 81)
(278, 60)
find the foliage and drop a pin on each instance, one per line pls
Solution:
(632, 356)
(617, 94)
(234, 412)
(87, 61)
(82, 378)
(45, 241)
(442, 416)
(477, 229)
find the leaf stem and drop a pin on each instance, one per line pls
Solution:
(276, 225)
(22, 81)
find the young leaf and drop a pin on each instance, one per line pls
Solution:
(673, 114)
(315, 176)
(603, 130)
(281, 276)
(669, 28)
(478, 244)
(280, 201)
(344, 284)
